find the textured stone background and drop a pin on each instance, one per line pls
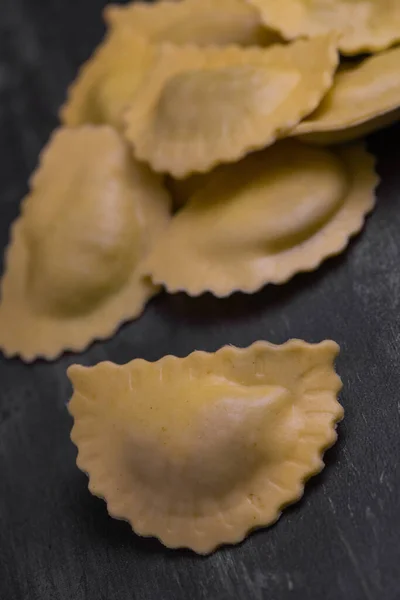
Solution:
(57, 541)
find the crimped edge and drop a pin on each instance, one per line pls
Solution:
(366, 173)
(347, 45)
(108, 331)
(372, 47)
(231, 154)
(89, 74)
(314, 465)
(339, 135)
(83, 71)
(315, 127)
(113, 16)
(324, 125)
(121, 9)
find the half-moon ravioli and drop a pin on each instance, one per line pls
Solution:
(73, 265)
(200, 22)
(181, 122)
(108, 80)
(275, 213)
(199, 451)
(362, 25)
(364, 97)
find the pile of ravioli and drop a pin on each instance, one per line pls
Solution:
(204, 147)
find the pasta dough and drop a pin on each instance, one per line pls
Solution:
(362, 25)
(200, 22)
(109, 80)
(181, 123)
(73, 269)
(261, 221)
(199, 451)
(365, 96)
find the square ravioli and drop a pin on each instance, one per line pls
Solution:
(73, 267)
(199, 451)
(181, 122)
(262, 220)
(361, 25)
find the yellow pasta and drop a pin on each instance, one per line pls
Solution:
(181, 122)
(201, 450)
(275, 213)
(73, 268)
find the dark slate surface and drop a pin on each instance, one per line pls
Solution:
(57, 541)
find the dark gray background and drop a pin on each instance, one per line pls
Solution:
(56, 540)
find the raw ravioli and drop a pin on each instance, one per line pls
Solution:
(362, 25)
(200, 22)
(181, 121)
(365, 96)
(275, 213)
(73, 267)
(108, 80)
(201, 450)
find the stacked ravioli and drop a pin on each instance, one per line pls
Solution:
(205, 147)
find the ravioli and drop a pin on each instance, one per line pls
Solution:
(199, 451)
(275, 213)
(200, 22)
(183, 189)
(182, 123)
(108, 80)
(365, 96)
(73, 267)
(362, 25)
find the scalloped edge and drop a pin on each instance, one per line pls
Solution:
(372, 118)
(193, 57)
(340, 135)
(366, 173)
(90, 74)
(371, 47)
(314, 465)
(107, 332)
(348, 47)
(78, 348)
(113, 16)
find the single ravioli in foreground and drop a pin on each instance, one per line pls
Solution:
(109, 80)
(72, 272)
(275, 213)
(199, 22)
(362, 25)
(181, 122)
(365, 96)
(199, 451)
